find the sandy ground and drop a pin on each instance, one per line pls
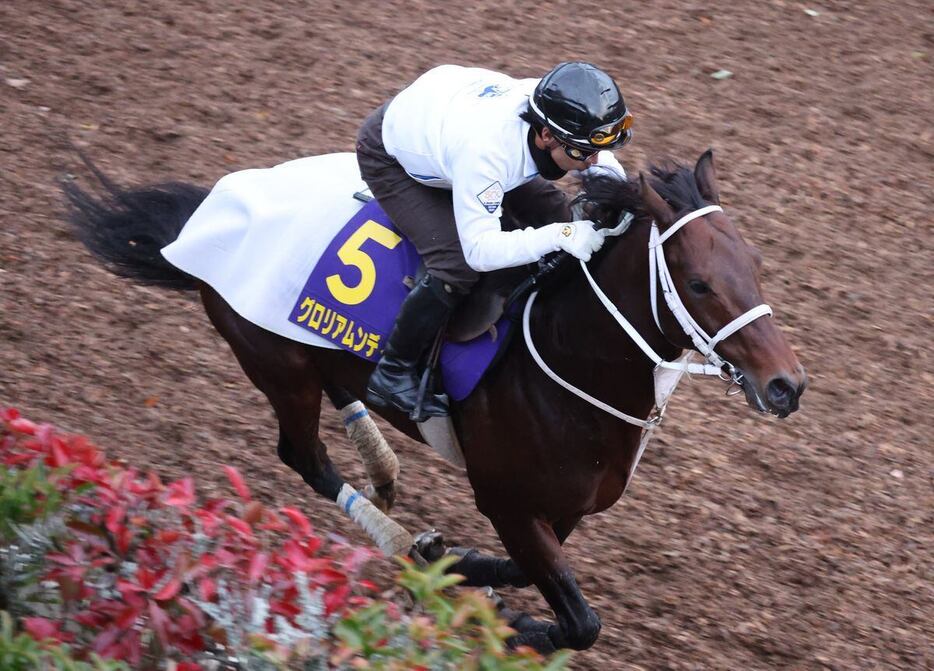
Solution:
(744, 542)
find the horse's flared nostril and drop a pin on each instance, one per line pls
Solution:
(782, 395)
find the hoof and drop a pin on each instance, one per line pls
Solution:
(430, 545)
(417, 557)
(495, 599)
(529, 631)
(383, 497)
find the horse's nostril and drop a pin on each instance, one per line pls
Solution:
(781, 393)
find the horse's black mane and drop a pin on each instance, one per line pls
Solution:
(607, 195)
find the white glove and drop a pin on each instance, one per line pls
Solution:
(607, 164)
(578, 238)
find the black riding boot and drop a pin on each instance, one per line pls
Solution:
(396, 378)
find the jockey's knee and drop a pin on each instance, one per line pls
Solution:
(458, 281)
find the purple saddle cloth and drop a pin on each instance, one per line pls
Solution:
(353, 294)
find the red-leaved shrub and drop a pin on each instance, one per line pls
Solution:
(140, 571)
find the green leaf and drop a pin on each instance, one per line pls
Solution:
(350, 633)
(558, 661)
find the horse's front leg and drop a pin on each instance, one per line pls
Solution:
(480, 570)
(536, 549)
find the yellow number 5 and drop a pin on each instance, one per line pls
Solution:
(351, 254)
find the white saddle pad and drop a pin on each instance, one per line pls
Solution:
(259, 233)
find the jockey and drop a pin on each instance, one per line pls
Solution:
(457, 160)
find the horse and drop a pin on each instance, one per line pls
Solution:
(539, 455)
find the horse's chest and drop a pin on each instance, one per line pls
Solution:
(585, 487)
(607, 475)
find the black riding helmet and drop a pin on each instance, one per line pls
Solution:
(582, 106)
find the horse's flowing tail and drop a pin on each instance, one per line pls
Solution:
(127, 228)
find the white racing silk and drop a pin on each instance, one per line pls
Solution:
(459, 129)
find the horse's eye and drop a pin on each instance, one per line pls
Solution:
(698, 287)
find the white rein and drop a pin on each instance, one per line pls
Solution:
(658, 275)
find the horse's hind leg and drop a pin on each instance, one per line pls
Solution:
(381, 463)
(301, 448)
(285, 372)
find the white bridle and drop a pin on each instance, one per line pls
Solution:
(658, 275)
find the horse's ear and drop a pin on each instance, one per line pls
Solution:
(660, 210)
(706, 177)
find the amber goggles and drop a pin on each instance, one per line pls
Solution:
(616, 134)
(610, 134)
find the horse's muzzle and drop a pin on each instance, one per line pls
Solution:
(782, 393)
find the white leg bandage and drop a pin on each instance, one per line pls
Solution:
(381, 463)
(388, 535)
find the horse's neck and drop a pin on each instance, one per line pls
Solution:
(578, 319)
(582, 343)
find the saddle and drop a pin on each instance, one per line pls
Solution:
(485, 305)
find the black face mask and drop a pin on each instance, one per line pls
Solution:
(546, 165)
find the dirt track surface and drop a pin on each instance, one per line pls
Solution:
(744, 542)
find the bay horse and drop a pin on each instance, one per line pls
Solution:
(538, 456)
